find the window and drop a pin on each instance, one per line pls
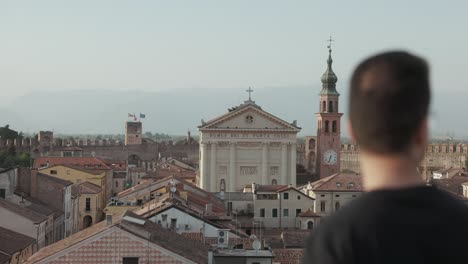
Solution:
(322, 206)
(173, 223)
(274, 212)
(298, 211)
(262, 212)
(334, 126)
(286, 196)
(337, 195)
(330, 106)
(164, 217)
(229, 208)
(327, 125)
(88, 204)
(2, 193)
(53, 172)
(298, 197)
(324, 106)
(130, 260)
(222, 185)
(274, 182)
(286, 212)
(337, 206)
(116, 184)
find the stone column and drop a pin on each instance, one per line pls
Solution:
(203, 168)
(213, 176)
(265, 163)
(293, 164)
(284, 163)
(232, 167)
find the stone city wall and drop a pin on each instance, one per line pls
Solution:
(439, 155)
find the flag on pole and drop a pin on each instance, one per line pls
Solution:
(134, 117)
(142, 115)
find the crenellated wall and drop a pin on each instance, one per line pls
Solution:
(438, 155)
(148, 151)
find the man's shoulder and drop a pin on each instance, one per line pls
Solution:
(350, 212)
(375, 206)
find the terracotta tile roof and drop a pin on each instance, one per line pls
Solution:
(72, 240)
(83, 162)
(42, 209)
(235, 196)
(267, 188)
(12, 242)
(138, 187)
(196, 196)
(23, 211)
(340, 182)
(4, 258)
(150, 231)
(55, 179)
(173, 163)
(450, 171)
(452, 185)
(174, 203)
(309, 213)
(295, 239)
(90, 188)
(176, 243)
(163, 173)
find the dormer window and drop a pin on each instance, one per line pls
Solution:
(338, 184)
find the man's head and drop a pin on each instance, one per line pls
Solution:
(389, 103)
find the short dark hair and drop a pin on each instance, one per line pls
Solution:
(390, 96)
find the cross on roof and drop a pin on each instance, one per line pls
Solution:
(250, 92)
(330, 42)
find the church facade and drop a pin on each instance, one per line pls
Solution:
(244, 146)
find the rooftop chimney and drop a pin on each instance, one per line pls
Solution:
(208, 209)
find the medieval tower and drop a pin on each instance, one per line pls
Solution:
(328, 124)
(133, 133)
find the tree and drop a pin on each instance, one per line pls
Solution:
(7, 133)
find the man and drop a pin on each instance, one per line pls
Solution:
(398, 219)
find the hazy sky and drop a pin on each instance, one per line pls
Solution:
(169, 45)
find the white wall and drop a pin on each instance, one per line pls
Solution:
(68, 215)
(23, 226)
(292, 203)
(182, 219)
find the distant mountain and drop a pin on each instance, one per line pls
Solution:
(105, 112)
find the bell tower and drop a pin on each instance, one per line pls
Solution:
(328, 123)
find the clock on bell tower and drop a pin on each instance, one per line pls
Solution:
(328, 124)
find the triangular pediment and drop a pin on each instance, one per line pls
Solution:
(250, 117)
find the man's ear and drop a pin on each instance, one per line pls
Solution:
(351, 132)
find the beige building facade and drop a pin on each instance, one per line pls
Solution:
(247, 145)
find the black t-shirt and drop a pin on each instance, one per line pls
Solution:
(413, 225)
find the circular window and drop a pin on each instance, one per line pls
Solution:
(249, 119)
